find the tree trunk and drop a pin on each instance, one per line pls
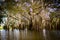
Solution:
(7, 22)
(30, 25)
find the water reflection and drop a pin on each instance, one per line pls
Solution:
(29, 35)
(44, 34)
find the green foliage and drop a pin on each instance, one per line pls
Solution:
(36, 6)
(52, 15)
(1, 28)
(22, 7)
(54, 20)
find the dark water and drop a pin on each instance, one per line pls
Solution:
(29, 35)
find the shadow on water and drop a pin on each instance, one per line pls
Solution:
(29, 35)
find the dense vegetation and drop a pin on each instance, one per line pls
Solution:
(31, 14)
